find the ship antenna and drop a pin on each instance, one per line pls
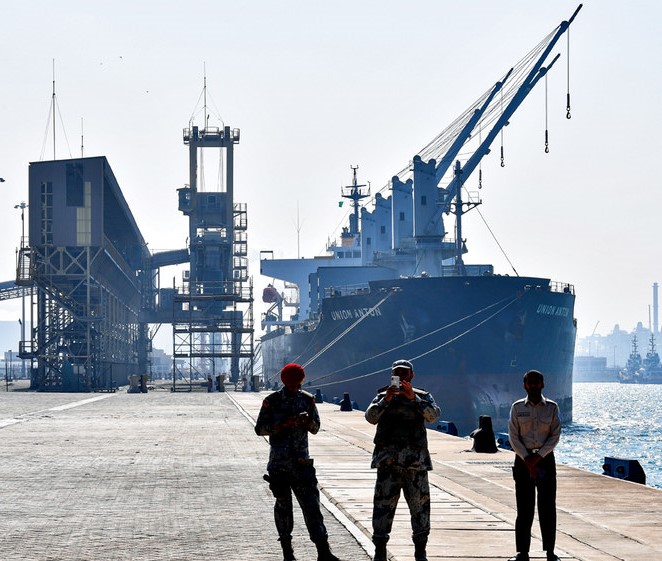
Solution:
(354, 193)
(298, 227)
(204, 92)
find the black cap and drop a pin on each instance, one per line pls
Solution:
(402, 364)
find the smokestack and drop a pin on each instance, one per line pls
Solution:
(655, 310)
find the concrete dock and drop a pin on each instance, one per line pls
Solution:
(178, 476)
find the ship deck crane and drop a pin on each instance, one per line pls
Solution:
(537, 72)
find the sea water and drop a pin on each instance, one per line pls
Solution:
(618, 420)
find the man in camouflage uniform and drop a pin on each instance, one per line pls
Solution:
(401, 457)
(287, 416)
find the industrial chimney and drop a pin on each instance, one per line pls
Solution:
(655, 310)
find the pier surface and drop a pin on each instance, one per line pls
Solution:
(178, 476)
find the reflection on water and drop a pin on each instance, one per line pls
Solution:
(611, 419)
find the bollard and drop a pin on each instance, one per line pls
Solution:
(318, 396)
(346, 403)
(483, 436)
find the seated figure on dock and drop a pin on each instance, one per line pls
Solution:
(286, 417)
(534, 429)
(401, 457)
(483, 436)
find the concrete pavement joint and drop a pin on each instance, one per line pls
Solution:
(33, 414)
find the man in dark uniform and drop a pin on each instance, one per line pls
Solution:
(534, 429)
(401, 457)
(287, 416)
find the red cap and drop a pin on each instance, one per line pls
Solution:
(292, 374)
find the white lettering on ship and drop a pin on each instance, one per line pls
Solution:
(355, 313)
(549, 310)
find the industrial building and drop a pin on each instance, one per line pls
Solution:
(94, 287)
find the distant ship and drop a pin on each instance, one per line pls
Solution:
(396, 286)
(646, 371)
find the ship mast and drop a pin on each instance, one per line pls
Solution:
(354, 193)
(459, 207)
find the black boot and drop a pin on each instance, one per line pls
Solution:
(324, 552)
(420, 542)
(288, 552)
(380, 548)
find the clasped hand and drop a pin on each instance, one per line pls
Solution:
(532, 462)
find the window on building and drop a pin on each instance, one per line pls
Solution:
(75, 190)
(47, 213)
(84, 217)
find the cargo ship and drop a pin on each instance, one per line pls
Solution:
(396, 286)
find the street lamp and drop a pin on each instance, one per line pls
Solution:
(22, 205)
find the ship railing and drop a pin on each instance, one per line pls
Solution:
(553, 286)
(469, 271)
(349, 289)
(230, 290)
(305, 325)
(565, 287)
(294, 325)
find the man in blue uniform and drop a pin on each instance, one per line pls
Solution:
(534, 429)
(401, 457)
(287, 416)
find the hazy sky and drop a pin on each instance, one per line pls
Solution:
(316, 87)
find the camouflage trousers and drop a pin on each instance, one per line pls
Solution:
(302, 481)
(413, 482)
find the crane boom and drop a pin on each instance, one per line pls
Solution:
(447, 160)
(535, 74)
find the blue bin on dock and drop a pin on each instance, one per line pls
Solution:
(447, 427)
(503, 441)
(628, 470)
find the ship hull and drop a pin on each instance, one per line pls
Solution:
(470, 338)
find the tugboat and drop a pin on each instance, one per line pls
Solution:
(630, 374)
(651, 373)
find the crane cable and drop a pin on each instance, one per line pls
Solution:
(567, 107)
